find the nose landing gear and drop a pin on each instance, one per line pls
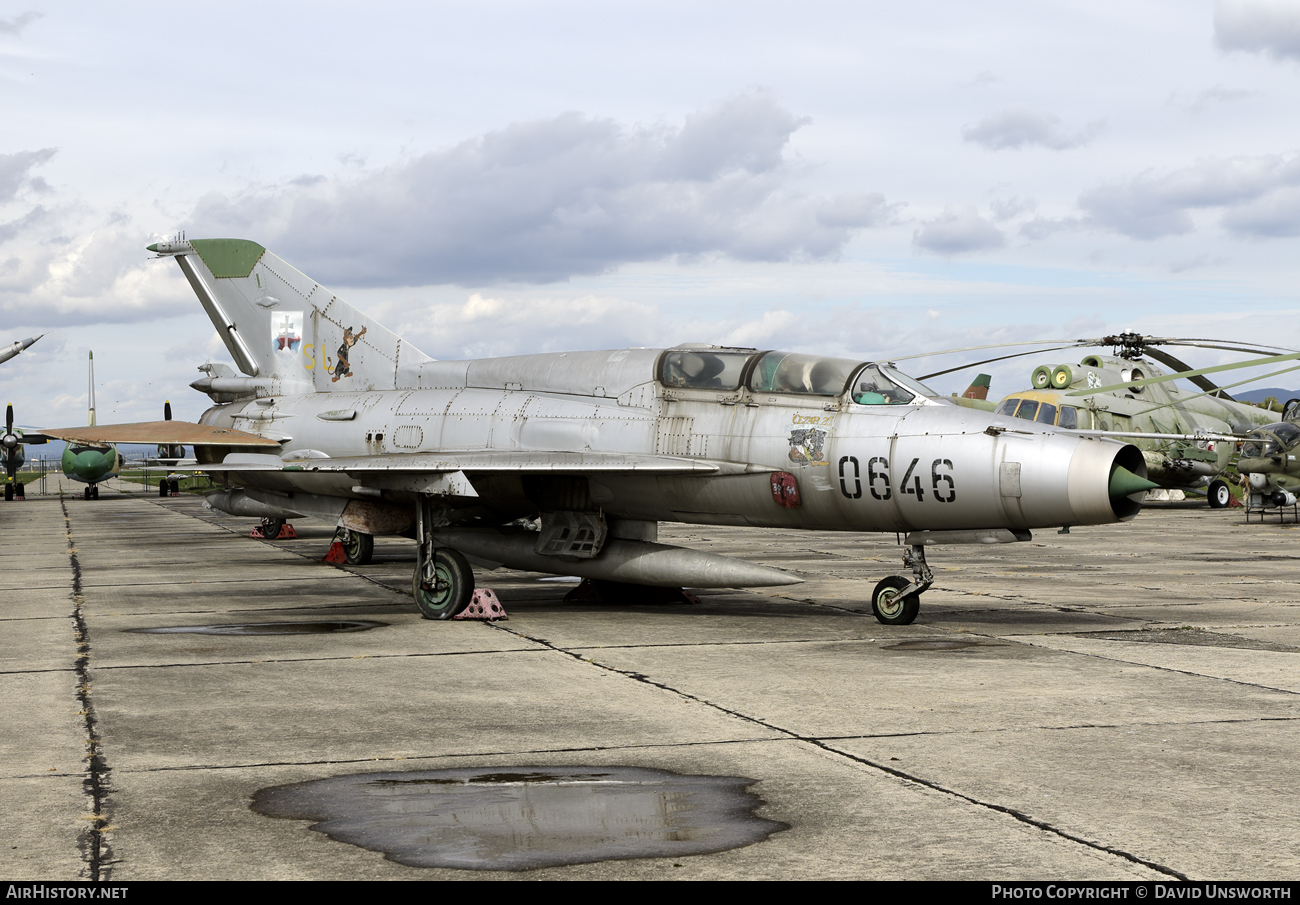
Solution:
(897, 600)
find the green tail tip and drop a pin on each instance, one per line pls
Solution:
(982, 380)
(1123, 482)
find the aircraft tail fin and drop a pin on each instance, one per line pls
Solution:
(979, 387)
(279, 323)
(90, 393)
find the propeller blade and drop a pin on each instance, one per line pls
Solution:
(1178, 365)
(9, 419)
(167, 411)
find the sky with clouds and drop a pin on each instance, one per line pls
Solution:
(866, 179)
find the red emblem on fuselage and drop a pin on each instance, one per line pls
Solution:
(785, 489)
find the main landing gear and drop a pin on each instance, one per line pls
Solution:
(91, 492)
(1219, 494)
(358, 547)
(897, 600)
(443, 582)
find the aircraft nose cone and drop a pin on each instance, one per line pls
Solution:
(1123, 482)
(89, 465)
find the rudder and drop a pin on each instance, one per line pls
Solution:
(277, 322)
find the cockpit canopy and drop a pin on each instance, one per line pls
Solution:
(1271, 440)
(793, 373)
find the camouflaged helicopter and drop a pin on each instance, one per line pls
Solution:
(565, 463)
(1187, 439)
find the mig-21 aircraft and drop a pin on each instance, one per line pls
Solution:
(566, 462)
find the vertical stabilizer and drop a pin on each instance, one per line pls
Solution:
(90, 393)
(277, 322)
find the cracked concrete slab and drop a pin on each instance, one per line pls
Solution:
(989, 740)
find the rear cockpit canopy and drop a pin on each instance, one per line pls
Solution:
(787, 373)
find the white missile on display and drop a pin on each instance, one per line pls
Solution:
(13, 349)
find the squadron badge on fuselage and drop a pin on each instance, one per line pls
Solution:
(808, 446)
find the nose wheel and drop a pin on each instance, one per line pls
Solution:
(897, 600)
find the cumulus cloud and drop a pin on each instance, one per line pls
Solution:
(15, 172)
(1270, 27)
(16, 25)
(545, 200)
(488, 326)
(1256, 195)
(959, 229)
(1019, 128)
(1217, 95)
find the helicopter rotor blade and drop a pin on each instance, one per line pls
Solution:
(1220, 344)
(975, 364)
(1147, 381)
(1229, 386)
(1064, 343)
(1178, 365)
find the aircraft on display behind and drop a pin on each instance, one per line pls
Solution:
(1270, 454)
(1181, 434)
(566, 462)
(91, 463)
(9, 351)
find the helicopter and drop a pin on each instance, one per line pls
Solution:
(1187, 439)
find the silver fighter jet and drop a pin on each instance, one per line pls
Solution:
(566, 462)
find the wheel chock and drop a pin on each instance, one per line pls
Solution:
(483, 605)
(286, 533)
(336, 554)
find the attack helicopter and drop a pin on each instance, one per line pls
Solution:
(566, 462)
(1186, 438)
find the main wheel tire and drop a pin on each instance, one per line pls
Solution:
(358, 547)
(1220, 494)
(454, 585)
(94, 491)
(9, 493)
(85, 493)
(162, 488)
(890, 607)
(271, 527)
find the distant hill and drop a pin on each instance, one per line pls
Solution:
(1278, 393)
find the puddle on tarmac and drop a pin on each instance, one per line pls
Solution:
(263, 628)
(518, 818)
(933, 644)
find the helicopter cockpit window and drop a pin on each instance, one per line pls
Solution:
(1069, 417)
(1008, 406)
(808, 375)
(1288, 433)
(703, 369)
(1046, 413)
(1270, 441)
(872, 387)
(1028, 409)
